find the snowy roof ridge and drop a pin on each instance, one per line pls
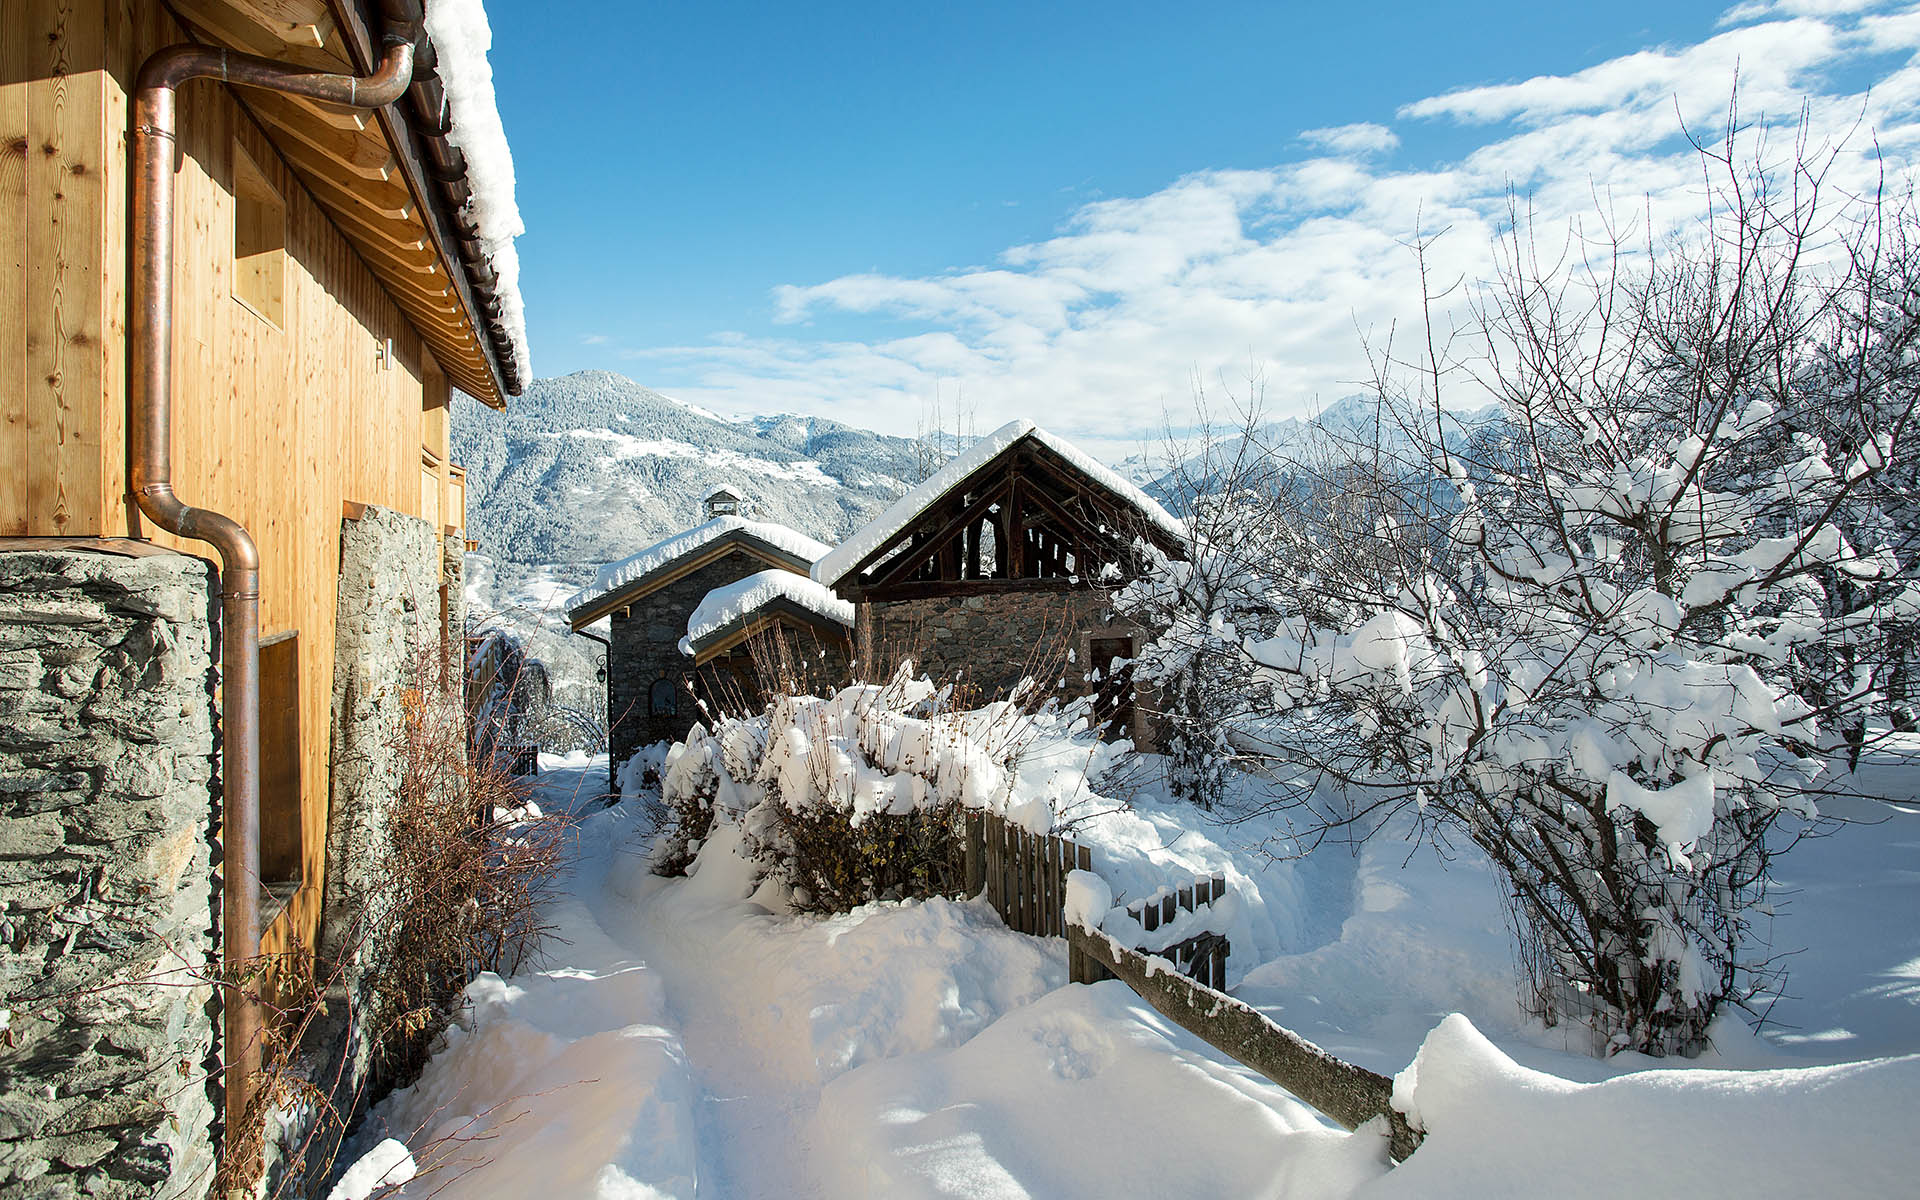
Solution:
(734, 603)
(461, 38)
(618, 576)
(833, 567)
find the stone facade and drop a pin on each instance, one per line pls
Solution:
(989, 640)
(644, 650)
(992, 639)
(389, 609)
(387, 637)
(107, 761)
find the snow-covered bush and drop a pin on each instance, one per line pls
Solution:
(857, 796)
(1609, 636)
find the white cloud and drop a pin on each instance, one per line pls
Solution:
(1280, 273)
(1361, 139)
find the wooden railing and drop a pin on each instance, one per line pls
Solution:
(1024, 875)
(1351, 1095)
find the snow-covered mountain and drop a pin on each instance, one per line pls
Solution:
(1351, 422)
(590, 467)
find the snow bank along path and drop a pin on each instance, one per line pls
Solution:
(685, 1041)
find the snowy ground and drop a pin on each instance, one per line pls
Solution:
(686, 1039)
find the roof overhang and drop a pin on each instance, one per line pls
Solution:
(388, 179)
(735, 633)
(847, 582)
(679, 568)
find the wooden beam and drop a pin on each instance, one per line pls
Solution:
(294, 22)
(339, 187)
(401, 236)
(242, 27)
(941, 542)
(1351, 1095)
(1016, 532)
(336, 115)
(361, 154)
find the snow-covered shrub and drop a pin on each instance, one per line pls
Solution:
(857, 796)
(1607, 636)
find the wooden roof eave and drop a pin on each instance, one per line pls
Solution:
(364, 170)
(742, 629)
(679, 568)
(360, 43)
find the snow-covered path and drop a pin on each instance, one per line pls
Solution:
(683, 1040)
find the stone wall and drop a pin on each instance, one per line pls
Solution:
(988, 640)
(387, 644)
(644, 647)
(106, 897)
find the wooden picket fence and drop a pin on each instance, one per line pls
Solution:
(1204, 955)
(1024, 875)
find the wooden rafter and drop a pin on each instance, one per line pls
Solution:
(362, 167)
(942, 539)
(263, 28)
(1048, 511)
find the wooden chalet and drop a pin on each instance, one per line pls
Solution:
(655, 686)
(1002, 566)
(228, 292)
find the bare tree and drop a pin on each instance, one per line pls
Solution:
(1614, 636)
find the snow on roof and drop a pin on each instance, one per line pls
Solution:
(721, 489)
(723, 606)
(461, 38)
(831, 568)
(617, 575)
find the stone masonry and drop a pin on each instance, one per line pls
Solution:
(106, 895)
(989, 640)
(644, 647)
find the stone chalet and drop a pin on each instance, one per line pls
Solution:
(1003, 565)
(702, 619)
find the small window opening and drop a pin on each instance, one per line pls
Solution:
(663, 698)
(1112, 679)
(259, 241)
(282, 837)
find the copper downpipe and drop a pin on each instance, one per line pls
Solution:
(150, 472)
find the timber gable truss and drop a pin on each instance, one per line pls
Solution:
(1027, 519)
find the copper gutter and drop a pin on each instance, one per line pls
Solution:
(150, 475)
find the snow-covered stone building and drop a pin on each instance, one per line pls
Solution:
(702, 619)
(1002, 565)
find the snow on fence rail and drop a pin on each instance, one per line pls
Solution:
(1024, 875)
(1201, 955)
(1351, 1095)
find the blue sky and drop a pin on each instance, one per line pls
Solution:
(1071, 212)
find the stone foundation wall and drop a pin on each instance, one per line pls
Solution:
(106, 898)
(991, 640)
(386, 644)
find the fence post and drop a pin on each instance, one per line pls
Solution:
(975, 853)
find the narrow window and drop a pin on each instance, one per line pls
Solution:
(281, 835)
(662, 698)
(1112, 678)
(259, 241)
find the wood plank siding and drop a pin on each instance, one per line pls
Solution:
(278, 423)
